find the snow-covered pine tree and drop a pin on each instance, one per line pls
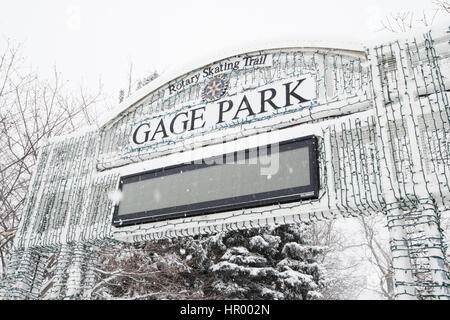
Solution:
(264, 263)
(268, 263)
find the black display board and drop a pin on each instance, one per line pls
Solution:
(267, 175)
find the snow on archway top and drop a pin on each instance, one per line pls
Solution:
(177, 72)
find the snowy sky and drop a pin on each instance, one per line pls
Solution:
(88, 40)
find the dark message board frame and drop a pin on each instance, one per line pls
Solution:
(310, 191)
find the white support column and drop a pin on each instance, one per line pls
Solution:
(404, 288)
(403, 278)
(91, 260)
(439, 281)
(76, 272)
(25, 275)
(60, 278)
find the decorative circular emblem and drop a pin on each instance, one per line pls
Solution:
(215, 88)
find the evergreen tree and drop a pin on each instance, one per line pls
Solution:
(265, 263)
(268, 263)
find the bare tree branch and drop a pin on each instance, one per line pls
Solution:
(31, 110)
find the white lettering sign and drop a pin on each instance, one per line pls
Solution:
(246, 62)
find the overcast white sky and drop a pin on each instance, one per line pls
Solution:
(88, 40)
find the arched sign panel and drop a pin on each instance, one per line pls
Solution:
(237, 96)
(233, 98)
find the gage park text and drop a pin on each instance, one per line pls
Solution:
(235, 108)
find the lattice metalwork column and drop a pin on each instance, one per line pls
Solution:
(408, 91)
(60, 278)
(76, 272)
(28, 275)
(91, 259)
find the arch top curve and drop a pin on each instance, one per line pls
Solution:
(349, 48)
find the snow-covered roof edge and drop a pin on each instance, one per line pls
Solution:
(75, 134)
(177, 72)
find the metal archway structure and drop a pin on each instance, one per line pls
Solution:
(380, 115)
